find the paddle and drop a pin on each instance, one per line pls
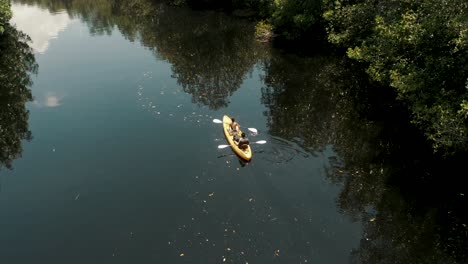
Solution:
(252, 129)
(257, 142)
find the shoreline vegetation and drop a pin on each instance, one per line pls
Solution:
(5, 14)
(418, 49)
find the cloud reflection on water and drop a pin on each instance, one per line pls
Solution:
(39, 24)
(50, 100)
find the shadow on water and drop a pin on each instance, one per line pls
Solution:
(412, 202)
(17, 62)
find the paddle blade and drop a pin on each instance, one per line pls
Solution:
(223, 146)
(217, 121)
(253, 130)
(261, 142)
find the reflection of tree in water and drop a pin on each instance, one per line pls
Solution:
(97, 14)
(16, 63)
(412, 204)
(306, 99)
(213, 60)
(210, 52)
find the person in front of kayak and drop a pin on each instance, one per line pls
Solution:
(242, 142)
(234, 126)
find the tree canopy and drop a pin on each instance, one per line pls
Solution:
(5, 14)
(420, 49)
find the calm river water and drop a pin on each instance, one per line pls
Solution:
(123, 165)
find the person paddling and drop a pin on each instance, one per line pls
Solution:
(242, 142)
(234, 126)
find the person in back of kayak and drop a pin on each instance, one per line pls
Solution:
(234, 126)
(242, 142)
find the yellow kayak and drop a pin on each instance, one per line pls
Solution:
(244, 154)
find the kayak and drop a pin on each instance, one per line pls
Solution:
(245, 154)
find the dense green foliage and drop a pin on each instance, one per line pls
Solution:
(294, 19)
(420, 49)
(17, 62)
(5, 14)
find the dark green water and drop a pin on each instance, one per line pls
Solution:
(123, 164)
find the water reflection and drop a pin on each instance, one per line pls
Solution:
(210, 53)
(39, 24)
(16, 63)
(209, 59)
(412, 203)
(49, 100)
(307, 99)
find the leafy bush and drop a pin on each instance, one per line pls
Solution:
(5, 14)
(420, 49)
